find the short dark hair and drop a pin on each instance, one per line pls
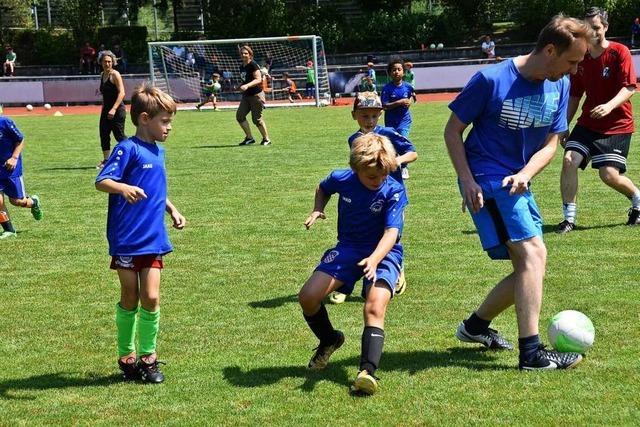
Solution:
(594, 11)
(561, 31)
(393, 61)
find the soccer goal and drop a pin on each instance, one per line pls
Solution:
(184, 69)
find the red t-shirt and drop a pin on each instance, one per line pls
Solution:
(602, 78)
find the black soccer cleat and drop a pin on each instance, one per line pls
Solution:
(321, 357)
(490, 339)
(247, 141)
(129, 369)
(150, 372)
(265, 142)
(550, 359)
(565, 226)
(634, 216)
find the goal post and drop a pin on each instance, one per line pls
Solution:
(184, 69)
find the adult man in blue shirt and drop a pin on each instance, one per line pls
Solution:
(518, 111)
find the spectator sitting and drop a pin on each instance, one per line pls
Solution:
(10, 62)
(635, 33)
(121, 58)
(488, 47)
(87, 59)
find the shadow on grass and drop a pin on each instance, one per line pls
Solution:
(70, 168)
(219, 146)
(551, 228)
(280, 301)
(342, 372)
(58, 380)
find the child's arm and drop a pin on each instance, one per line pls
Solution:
(131, 193)
(404, 102)
(321, 200)
(385, 244)
(12, 161)
(408, 157)
(178, 220)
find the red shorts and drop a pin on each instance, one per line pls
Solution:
(136, 263)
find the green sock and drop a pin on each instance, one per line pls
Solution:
(148, 331)
(126, 324)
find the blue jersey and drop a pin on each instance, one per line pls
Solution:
(10, 137)
(400, 143)
(511, 117)
(364, 214)
(399, 117)
(138, 228)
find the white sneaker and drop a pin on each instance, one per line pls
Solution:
(337, 297)
(7, 234)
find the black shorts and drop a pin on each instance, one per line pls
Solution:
(599, 149)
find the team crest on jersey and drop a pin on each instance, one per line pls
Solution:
(606, 72)
(124, 261)
(328, 258)
(376, 206)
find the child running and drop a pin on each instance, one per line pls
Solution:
(136, 180)
(210, 91)
(370, 221)
(11, 180)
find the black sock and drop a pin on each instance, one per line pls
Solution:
(321, 326)
(7, 226)
(475, 325)
(372, 343)
(34, 201)
(528, 347)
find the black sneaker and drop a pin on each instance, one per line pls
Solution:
(321, 357)
(490, 339)
(265, 142)
(565, 226)
(634, 216)
(129, 369)
(550, 359)
(150, 372)
(247, 141)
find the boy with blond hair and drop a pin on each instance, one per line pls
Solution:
(370, 221)
(136, 180)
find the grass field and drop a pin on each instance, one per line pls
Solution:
(232, 333)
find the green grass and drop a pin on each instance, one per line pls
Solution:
(231, 331)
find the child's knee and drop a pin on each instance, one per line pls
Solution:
(375, 310)
(22, 203)
(258, 121)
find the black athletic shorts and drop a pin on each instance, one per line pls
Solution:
(599, 149)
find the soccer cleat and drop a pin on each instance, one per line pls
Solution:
(405, 173)
(36, 210)
(198, 106)
(150, 372)
(565, 226)
(365, 383)
(490, 338)
(337, 297)
(401, 286)
(323, 353)
(130, 371)
(265, 142)
(550, 359)
(634, 216)
(247, 141)
(7, 234)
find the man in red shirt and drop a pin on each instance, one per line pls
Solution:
(603, 132)
(87, 59)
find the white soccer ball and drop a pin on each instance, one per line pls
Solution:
(572, 331)
(217, 86)
(324, 102)
(47, 106)
(29, 107)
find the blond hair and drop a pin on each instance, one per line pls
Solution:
(373, 151)
(151, 100)
(561, 31)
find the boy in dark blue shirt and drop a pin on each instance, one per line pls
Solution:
(11, 181)
(367, 109)
(136, 180)
(370, 221)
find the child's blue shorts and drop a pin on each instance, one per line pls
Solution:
(13, 187)
(342, 261)
(505, 218)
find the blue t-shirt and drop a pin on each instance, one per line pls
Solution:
(10, 137)
(364, 214)
(400, 143)
(138, 228)
(511, 117)
(399, 117)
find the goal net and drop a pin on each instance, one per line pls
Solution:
(184, 69)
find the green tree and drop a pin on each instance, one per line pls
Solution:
(81, 17)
